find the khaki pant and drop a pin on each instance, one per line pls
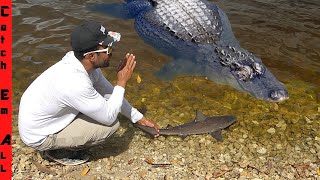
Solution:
(82, 133)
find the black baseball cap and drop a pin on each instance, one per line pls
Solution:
(88, 35)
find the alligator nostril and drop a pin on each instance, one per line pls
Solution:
(279, 95)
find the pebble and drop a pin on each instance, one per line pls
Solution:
(275, 107)
(227, 158)
(221, 158)
(307, 120)
(290, 176)
(278, 146)
(282, 125)
(254, 145)
(294, 120)
(313, 151)
(271, 130)
(244, 163)
(255, 122)
(240, 170)
(262, 150)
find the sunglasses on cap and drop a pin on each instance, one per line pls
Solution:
(107, 50)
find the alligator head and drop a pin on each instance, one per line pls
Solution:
(244, 71)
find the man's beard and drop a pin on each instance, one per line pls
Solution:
(102, 65)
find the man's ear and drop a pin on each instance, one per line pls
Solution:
(91, 57)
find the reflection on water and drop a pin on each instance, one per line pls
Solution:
(285, 34)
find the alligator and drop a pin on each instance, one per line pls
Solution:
(198, 36)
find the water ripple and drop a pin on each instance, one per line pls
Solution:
(51, 47)
(30, 59)
(48, 23)
(66, 27)
(30, 20)
(17, 6)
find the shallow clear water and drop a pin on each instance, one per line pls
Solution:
(285, 34)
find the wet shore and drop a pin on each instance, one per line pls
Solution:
(273, 141)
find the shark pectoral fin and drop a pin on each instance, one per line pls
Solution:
(217, 135)
(117, 10)
(180, 67)
(183, 136)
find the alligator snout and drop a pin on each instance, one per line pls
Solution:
(279, 95)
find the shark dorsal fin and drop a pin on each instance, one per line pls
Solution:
(169, 126)
(200, 116)
(217, 135)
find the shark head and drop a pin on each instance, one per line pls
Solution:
(228, 121)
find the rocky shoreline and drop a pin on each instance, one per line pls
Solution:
(131, 154)
(268, 141)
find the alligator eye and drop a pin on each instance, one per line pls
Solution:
(245, 73)
(257, 68)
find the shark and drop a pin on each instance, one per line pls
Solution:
(202, 124)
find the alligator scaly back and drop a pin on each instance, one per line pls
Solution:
(194, 21)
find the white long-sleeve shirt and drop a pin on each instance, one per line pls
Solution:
(55, 98)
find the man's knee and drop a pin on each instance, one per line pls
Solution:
(110, 130)
(107, 132)
(117, 125)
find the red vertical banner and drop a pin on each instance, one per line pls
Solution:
(5, 89)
